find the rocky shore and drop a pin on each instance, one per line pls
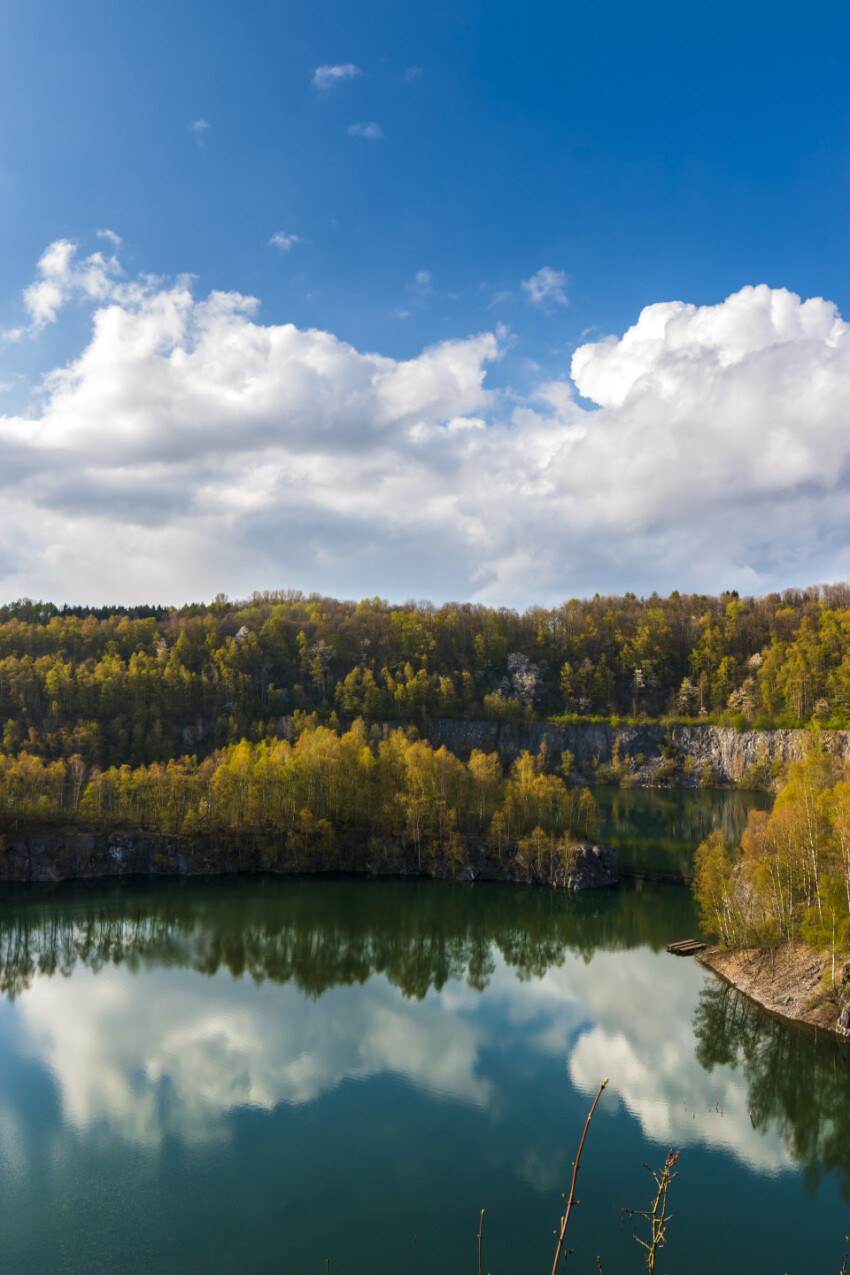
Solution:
(64, 854)
(788, 981)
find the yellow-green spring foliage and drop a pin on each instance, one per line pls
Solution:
(317, 787)
(790, 877)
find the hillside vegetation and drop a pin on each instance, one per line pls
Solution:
(135, 686)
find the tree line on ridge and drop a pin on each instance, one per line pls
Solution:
(139, 685)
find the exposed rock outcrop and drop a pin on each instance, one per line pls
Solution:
(596, 867)
(721, 752)
(63, 854)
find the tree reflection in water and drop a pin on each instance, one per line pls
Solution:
(660, 828)
(320, 934)
(797, 1079)
(420, 935)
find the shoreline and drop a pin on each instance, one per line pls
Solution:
(785, 981)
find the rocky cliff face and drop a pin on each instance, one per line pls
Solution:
(64, 854)
(595, 868)
(727, 753)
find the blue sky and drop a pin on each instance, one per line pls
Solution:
(635, 155)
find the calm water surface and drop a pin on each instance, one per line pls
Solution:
(660, 828)
(253, 1075)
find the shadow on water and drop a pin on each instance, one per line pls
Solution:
(322, 934)
(797, 1081)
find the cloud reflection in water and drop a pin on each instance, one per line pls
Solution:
(174, 1054)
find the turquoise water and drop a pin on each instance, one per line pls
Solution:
(254, 1075)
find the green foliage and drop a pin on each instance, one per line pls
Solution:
(502, 708)
(714, 888)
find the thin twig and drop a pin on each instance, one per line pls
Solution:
(565, 1220)
(480, 1231)
(657, 1215)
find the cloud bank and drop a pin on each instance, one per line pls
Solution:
(191, 447)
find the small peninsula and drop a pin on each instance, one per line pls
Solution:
(780, 902)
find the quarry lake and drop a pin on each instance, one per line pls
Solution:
(257, 1074)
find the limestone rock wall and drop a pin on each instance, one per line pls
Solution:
(728, 752)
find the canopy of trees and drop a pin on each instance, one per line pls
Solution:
(140, 685)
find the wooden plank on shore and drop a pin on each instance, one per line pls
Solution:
(686, 947)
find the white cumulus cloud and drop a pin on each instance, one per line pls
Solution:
(190, 447)
(326, 77)
(62, 276)
(671, 340)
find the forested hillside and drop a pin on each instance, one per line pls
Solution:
(133, 686)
